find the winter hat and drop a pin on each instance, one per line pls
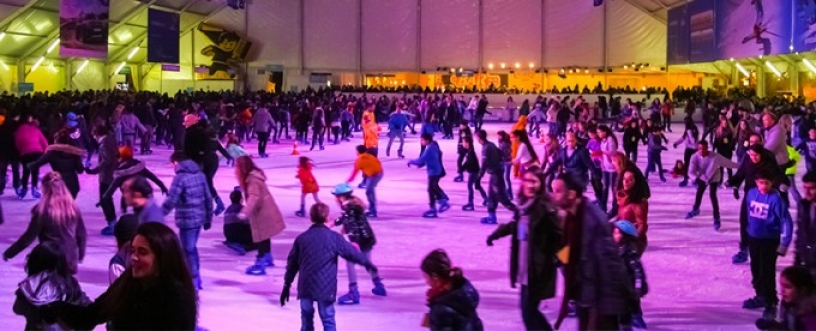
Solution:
(626, 227)
(342, 188)
(71, 120)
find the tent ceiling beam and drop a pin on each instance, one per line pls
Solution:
(138, 41)
(646, 11)
(133, 12)
(17, 12)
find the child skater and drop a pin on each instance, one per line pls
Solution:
(625, 234)
(49, 279)
(359, 232)
(234, 148)
(470, 164)
(237, 231)
(655, 141)
(308, 184)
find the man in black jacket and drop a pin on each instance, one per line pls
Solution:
(806, 224)
(108, 162)
(481, 110)
(496, 193)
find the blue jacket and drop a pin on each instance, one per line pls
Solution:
(314, 254)
(397, 122)
(579, 163)
(151, 212)
(428, 127)
(190, 196)
(768, 216)
(431, 159)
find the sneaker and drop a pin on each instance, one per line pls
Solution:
(663, 179)
(717, 224)
(35, 193)
(300, 213)
(468, 207)
(740, 257)
(692, 213)
(572, 311)
(754, 303)
(108, 230)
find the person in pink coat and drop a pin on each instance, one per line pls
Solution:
(31, 144)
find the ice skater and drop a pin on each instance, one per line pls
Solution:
(359, 232)
(431, 158)
(308, 184)
(372, 170)
(470, 165)
(492, 164)
(396, 129)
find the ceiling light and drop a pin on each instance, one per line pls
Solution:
(743, 70)
(133, 52)
(82, 67)
(771, 66)
(38, 63)
(809, 65)
(53, 45)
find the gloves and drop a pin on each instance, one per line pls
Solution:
(782, 250)
(410, 163)
(675, 145)
(207, 226)
(284, 297)
(490, 241)
(164, 192)
(98, 204)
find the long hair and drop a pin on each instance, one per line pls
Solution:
(609, 133)
(57, 203)
(524, 140)
(243, 167)
(169, 262)
(542, 194)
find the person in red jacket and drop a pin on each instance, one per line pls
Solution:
(308, 184)
(31, 144)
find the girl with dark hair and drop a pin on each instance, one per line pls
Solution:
(633, 206)
(471, 166)
(48, 280)
(632, 136)
(536, 239)
(452, 298)
(264, 216)
(56, 218)
(155, 293)
(798, 296)
(526, 156)
(506, 148)
(689, 140)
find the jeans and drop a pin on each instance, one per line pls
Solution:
(317, 134)
(712, 193)
(434, 191)
(610, 180)
(391, 136)
(263, 140)
(189, 239)
(654, 163)
(324, 308)
(352, 271)
(107, 203)
(532, 317)
(763, 267)
(15, 173)
(371, 194)
(508, 184)
(496, 194)
(474, 181)
(34, 173)
(667, 122)
(128, 139)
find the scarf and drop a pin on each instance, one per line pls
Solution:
(573, 234)
(434, 293)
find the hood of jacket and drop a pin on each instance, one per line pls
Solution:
(463, 299)
(40, 291)
(65, 148)
(129, 168)
(188, 167)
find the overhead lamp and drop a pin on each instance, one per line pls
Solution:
(562, 70)
(460, 69)
(809, 65)
(571, 70)
(2, 34)
(625, 66)
(37, 63)
(771, 66)
(5, 66)
(119, 68)
(82, 67)
(532, 65)
(586, 71)
(53, 45)
(490, 66)
(742, 69)
(518, 65)
(133, 52)
(731, 59)
(503, 65)
(452, 69)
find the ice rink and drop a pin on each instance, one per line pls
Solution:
(693, 284)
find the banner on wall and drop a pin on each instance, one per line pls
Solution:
(84, 28)
(162, 36)
(804, 32)
(483, 80)
(227, 49)
(709, 30)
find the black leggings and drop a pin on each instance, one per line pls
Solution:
(263, 140)
(209, 168)
(264, 247)
(33, 172)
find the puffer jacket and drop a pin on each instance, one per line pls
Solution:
(455, 310)
(43, 289)
(29, 139)
(355, 225)
(190, 196)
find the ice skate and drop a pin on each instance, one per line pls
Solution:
(350, 298)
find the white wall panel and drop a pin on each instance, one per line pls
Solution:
(450, 34)
(634, 36)
(331, 33)
(275, 32)
(573, 33)
(389, 35)
(512, 32)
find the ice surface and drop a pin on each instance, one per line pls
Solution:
(693, 284)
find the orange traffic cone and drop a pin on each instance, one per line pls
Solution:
(294, 149)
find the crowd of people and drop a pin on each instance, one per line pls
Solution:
(595, 239)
